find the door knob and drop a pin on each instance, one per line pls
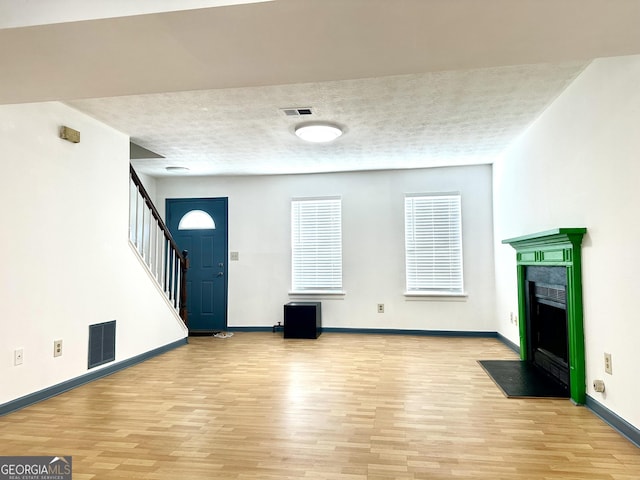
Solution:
(221, 265)
(220, 274)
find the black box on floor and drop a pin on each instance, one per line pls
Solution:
(302, 320)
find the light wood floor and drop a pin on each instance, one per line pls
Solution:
(256, 406)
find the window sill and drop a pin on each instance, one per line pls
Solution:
(329, 293)
(436, 294)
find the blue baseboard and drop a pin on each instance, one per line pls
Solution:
(619, 424)
(251, 329)
(509, 343)
(380, 331)
(425, 333)
(49, 392)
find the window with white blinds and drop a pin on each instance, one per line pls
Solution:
(316, 241)
(433, 244)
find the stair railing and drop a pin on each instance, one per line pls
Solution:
(153, 241)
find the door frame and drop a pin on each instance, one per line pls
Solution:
(225, 205)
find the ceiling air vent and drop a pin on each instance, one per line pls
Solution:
(297, 112)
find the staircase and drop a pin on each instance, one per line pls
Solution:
(153, 241)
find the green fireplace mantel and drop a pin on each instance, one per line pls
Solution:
(557, 247)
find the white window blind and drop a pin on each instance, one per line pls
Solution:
(433, 243)
(316, 240)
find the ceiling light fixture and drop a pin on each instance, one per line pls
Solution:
(176, 169)
(318, 132)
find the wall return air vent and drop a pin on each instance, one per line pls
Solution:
(102, 343)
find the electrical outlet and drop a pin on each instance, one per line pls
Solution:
(381, 308)
(608, 368)
(511, 317)
(18, 356)
(57, 348)
(598, 386)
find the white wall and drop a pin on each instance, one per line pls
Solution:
(66, 257)
(579, 165)
(373, 246)
(149, 184)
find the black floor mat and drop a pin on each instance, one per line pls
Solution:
(521, 379)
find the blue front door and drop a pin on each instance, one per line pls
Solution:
(199, 225)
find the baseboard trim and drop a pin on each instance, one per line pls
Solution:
(508, 343)
(381, 331)
(616, 422)
(67, 385)
(424, 333)
(250, 329)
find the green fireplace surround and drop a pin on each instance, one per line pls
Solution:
(558, 247)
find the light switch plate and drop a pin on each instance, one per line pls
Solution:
(18, 357)
(608, 368)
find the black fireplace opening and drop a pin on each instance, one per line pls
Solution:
(547, 330)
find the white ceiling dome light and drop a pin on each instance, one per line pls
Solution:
(318, 132)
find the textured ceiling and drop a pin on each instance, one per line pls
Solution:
(415, 83)
(406, 121)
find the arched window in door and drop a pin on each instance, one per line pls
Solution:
(196, 220)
